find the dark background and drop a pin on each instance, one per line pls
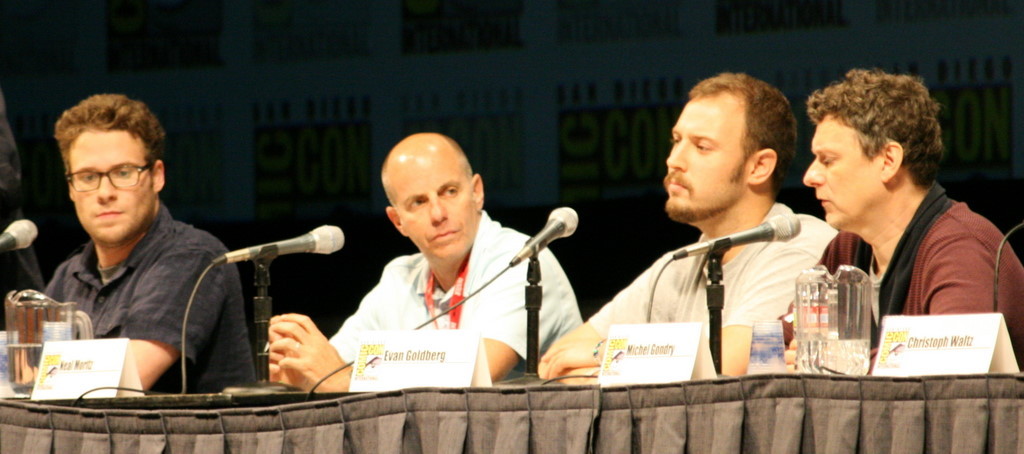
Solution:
(615, 241)
(512, 80)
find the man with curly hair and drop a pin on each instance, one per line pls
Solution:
(135, 274)
(876, 150)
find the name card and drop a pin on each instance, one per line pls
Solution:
(655, 353)
(67, 369)
(389, 360)
(944, 344)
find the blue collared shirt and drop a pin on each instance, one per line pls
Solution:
(146, 298)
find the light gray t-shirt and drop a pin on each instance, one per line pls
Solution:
(759, 282)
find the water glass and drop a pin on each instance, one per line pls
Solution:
(767, 348)
(56, 331)
(5, 385)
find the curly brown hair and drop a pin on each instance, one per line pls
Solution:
(769, 118)
(110, 112)
(884, 108)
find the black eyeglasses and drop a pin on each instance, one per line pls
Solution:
(124, 176)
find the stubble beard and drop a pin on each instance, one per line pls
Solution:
(690, 214)
(133, 231)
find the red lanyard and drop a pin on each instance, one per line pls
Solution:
(457, 296)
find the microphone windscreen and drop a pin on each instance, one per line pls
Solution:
(568, 217)
(328, 239)
(785, 226)
(24, 232)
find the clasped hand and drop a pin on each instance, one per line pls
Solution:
(300, 355)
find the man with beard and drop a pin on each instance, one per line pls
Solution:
(731, 147)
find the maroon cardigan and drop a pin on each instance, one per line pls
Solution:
(953, 271)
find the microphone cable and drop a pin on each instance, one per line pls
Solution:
(312, 391)
(566, 377)
(184, 325)
(657, 277)
(672, 258)
(999, 255)
(81, 397)
(460, 303)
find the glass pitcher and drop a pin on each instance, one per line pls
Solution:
(810, 325)
(31, 319)
(833, 321)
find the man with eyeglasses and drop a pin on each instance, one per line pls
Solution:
(136, 273)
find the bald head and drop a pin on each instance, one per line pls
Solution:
(436, 200)
(426, 149)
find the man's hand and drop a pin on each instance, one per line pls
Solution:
(791, 357)
(573, 354)
(568, 358)
(301, 355)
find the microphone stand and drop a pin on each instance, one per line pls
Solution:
(715, 292)
(534, 298)
(262, 308)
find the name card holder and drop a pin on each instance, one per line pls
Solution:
(944, 344)
(655, 353)
(67, 369)
(389, 360)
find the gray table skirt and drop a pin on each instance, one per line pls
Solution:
(757, 414)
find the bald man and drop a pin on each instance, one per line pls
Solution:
(437, 202)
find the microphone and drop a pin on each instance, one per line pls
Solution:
(561, 223)
(20, 234)
(778, 228)
(325, 239)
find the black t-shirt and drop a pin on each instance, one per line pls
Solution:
(146, 298)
